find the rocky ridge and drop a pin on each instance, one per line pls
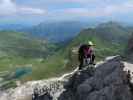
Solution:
(109, 80)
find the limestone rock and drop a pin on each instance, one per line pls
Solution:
(108, 82)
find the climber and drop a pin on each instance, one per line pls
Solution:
(86, 54)
(89, 54)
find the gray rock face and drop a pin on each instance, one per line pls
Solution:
(108, 81)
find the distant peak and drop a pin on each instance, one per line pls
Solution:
(109, 24)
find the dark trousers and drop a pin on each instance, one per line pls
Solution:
(92, 59)
(81, 61)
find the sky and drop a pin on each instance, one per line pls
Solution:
(36, 11)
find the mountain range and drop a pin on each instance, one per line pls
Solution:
(50, 59)
(56, 31)
(20, 50)
(67, 30)
(13, 26)
(109, 36)
(110, 39)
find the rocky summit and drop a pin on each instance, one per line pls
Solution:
(109, 80)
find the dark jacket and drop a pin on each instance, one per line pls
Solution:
(81, 53)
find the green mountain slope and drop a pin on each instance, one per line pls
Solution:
(113, 31)
(66, 59)
(19, 44)
(107, 37)
(110, 39)
(19, 50)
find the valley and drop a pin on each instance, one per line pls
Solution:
(47, 59)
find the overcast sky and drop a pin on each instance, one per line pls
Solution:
(40, 10)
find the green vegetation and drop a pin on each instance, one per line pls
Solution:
(47, 60)
(19, 50)
(19, 44)
(65, 60)
(103, 47)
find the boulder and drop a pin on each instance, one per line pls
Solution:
(108, 81)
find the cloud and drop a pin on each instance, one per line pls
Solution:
(78, 1)
(69, 1)
(85, 12)
(9, 7)
(116, 9)
(99, 11)
(31, 11)
(65, 9)
(75, 1)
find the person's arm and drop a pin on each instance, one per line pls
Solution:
(92, 51)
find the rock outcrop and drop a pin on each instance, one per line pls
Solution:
(109, 80)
